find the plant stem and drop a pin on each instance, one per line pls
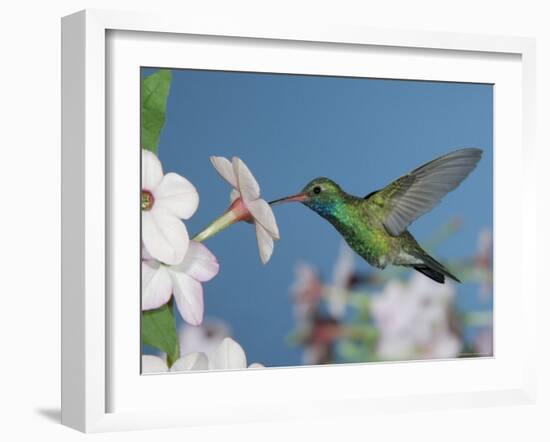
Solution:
(216, 226)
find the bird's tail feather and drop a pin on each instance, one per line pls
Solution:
(433, 269)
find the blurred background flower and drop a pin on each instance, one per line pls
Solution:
(213, 339)
(204, 338)
(413, 319)
(392, 315)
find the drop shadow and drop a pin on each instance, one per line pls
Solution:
(51, 414)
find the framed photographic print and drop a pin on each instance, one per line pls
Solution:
(265, 222)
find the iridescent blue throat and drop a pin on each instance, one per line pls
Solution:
(327, 209)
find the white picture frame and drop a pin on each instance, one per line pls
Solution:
(89, 320)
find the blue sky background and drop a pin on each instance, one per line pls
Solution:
(362, 133)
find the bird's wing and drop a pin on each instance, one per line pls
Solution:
(418, 192)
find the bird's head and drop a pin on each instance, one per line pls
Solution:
(320, 195)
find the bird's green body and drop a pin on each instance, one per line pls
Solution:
(375, 226)
(360, 222)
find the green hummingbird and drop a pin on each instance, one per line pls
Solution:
(375, 226)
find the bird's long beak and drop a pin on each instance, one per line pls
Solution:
(298, 198)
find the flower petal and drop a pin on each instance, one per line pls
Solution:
(177, 195)
(229, 355)
(247, 184)
(188, 296)
(151, 170)
(156, 286)
(164, 235)
(234, 195)
(199, 262)
(191, 361)
(153, 364)
(262, 212)
(224, 167)
(145, 255)
(265, 243)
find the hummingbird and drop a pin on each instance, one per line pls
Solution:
(375, 226)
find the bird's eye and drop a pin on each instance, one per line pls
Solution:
(317, 190)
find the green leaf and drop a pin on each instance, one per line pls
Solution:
(154, 96)
(158, 329)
